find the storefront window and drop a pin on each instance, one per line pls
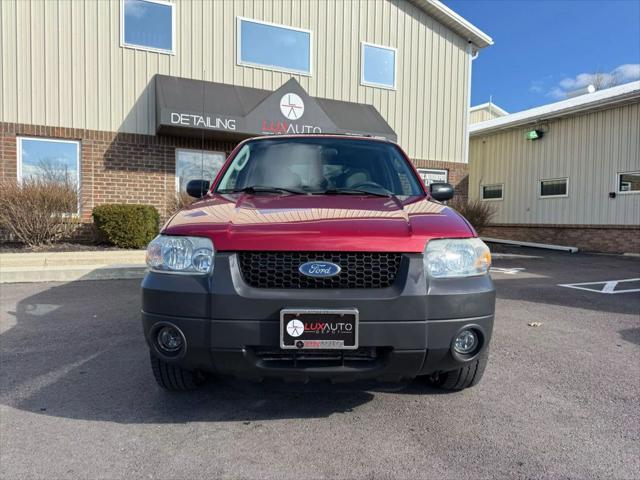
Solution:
(148, 24)
(378, 66)
(276, 47)
(50, 161)
(195, 165)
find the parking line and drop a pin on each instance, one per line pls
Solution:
(609, 286)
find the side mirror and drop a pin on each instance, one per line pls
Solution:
(197, 188)
(441, 191)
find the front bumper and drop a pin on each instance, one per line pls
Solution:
(405, 330)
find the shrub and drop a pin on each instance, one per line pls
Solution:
(127, 226)
(177, 201)
(478, 213)
(37, 211)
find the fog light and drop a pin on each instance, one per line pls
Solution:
(466, 342)
(170, 339)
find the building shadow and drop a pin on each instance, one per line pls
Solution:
(76, 350)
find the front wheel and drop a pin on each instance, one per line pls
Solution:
(175, 378)
(466, 376)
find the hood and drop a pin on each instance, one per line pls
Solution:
(318, 222)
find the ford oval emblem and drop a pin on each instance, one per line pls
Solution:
(319, 269)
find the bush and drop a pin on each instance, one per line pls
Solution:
(127, 226)
(478, 213)
(177, 201)
(38, 212)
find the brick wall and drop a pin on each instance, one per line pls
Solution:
(114, 167)
(590, 238)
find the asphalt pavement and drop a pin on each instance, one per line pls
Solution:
(558, 400)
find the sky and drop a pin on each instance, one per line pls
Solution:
(544, 48)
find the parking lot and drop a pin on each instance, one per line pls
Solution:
(558, 400)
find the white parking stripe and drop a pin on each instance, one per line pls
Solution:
(608, 286)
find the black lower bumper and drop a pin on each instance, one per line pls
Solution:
(388, 350)
(405, 330)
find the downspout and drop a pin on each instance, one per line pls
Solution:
(471, 56)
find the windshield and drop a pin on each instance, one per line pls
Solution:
(320, 165)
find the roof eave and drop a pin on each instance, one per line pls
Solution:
(589, 102)
(455, 22)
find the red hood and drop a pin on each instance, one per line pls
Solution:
(318, 223)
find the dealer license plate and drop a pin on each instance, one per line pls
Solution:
(304, 329)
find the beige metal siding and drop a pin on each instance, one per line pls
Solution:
(590, 149)
(483, 114)
(62, 63)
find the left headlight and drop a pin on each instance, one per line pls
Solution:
(169, 254)
(449, 258)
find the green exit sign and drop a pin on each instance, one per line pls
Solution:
(534, 134)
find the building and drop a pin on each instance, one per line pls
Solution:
(567, 173)
(485, 111)
(131, 98)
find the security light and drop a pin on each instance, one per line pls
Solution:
(534, 134)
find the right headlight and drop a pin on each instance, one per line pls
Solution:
(173, 254)
(449, 258)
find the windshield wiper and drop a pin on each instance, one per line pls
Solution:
(355, 191)
(253, 189)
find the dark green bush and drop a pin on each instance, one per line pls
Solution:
(127, 226)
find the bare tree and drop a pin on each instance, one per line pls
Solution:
(601, 79)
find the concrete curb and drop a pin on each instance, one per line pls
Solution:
(71, 266)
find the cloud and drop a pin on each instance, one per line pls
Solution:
(621, 74)
(134, 8)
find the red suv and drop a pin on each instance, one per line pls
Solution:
(318, 256)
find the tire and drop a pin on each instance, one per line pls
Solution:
(174, 378)
(467, 376)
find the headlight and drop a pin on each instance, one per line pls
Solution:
(456, 258)
(180, 254)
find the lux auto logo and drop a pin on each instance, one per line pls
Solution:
(291, 106)
(295, 327)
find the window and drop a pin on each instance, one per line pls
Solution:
(148, 25)
(49, 160)
(276, 47)
(378, 66)
(629, 182)
(433, 175)
(555, 187)
(196, 165)
(315, 165)
(492, 192)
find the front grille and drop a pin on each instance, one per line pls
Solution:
(280, 269)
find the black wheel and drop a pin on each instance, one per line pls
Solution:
(467, 376)
(175, 378)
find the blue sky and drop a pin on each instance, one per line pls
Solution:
(546, 47)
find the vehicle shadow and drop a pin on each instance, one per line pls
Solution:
(76, 350)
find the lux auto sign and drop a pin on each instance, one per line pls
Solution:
(292, 108)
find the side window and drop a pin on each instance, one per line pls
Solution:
(492, 192)
(629, 182)
(276, 47)
(554, 187)
(378, 66)
(195, 165)
(50, 161)
(148, 25)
